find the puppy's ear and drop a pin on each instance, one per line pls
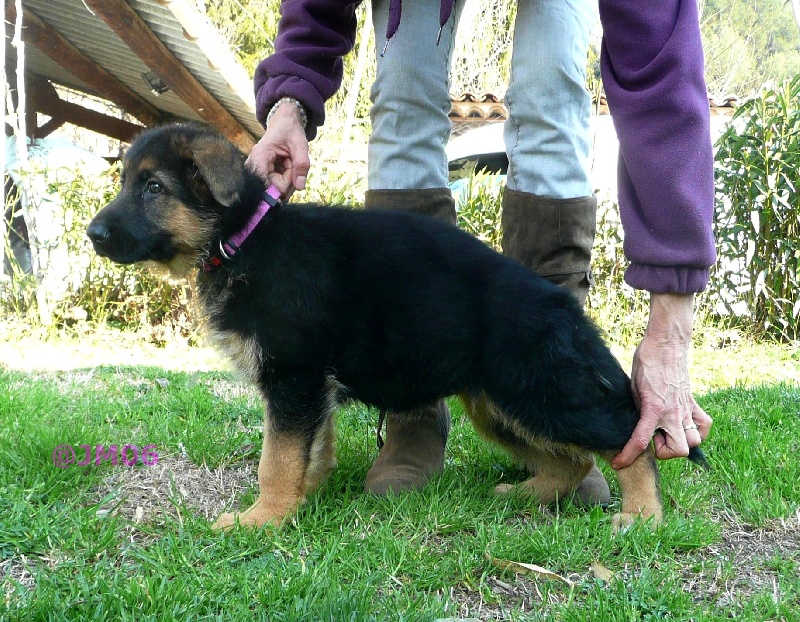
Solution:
(221, 166)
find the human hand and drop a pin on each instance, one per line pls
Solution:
(281, 156)
(660, 381)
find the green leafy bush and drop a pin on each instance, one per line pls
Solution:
(621, 310)
(758, 213)
(478, 208)
(94, 288)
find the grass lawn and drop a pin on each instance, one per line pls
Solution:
(117, 542)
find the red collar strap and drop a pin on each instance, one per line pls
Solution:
(228, 248)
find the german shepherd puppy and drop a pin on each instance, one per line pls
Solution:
(388, 308)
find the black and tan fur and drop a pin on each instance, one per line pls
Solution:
(388, 308)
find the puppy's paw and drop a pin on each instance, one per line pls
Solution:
(537, 488)
(257, 515)
(229, 520)
(225, 522)
(504, 489)
(623, 521)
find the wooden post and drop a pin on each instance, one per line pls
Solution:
(61, 51)
(796, 9)
(27, 201)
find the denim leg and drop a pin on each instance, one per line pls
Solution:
(547, 133)
(411, 98)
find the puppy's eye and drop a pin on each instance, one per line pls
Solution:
(154, 187)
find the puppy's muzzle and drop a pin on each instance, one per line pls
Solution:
(114, 240)
(100, 235)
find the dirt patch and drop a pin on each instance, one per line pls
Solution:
(15, 575)
(753, 554)
(733, 570)
(151, 494)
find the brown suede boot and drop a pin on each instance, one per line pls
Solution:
(415, 441)
(554, 238)
(435, 202)
(413, 452)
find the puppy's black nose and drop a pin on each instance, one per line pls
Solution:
(98, 232)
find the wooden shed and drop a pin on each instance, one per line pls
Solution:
(157, 60)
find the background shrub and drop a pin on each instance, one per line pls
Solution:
(758, 213)
(96, 289)
(755, 282)
(478, 208)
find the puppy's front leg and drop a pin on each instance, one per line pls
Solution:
(296, 456)
(641, 493)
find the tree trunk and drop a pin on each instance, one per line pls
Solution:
(29, 206)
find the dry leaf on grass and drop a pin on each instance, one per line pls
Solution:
(601, 572)
(533, 569)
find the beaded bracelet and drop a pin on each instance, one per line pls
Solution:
(289, 100)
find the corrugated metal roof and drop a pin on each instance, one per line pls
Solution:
(94, 38)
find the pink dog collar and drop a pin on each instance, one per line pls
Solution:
(228, 248)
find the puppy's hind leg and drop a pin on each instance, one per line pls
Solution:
(641, 493)
(556, 470)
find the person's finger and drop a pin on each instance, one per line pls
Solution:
(693, 437)
(672, 417)
(638, 442)
(703, 422)
(670, 444)
(300, 163)
(262, 163)
(657, 423)
(283, 182)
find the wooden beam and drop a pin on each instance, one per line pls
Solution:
(51, 43)
(43, 131)
(138, 36)
(43, 98)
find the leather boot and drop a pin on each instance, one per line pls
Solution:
(435, 202)
(554, 238)
(415, 441)
(413, 452)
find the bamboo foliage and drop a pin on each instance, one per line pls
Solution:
(758, 211)
(481, 58)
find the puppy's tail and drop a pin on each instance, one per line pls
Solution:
(697, 456)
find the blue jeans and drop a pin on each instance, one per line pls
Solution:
(547, 134)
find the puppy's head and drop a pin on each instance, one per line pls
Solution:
(178, 181)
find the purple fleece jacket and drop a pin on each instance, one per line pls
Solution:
(652, 66)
